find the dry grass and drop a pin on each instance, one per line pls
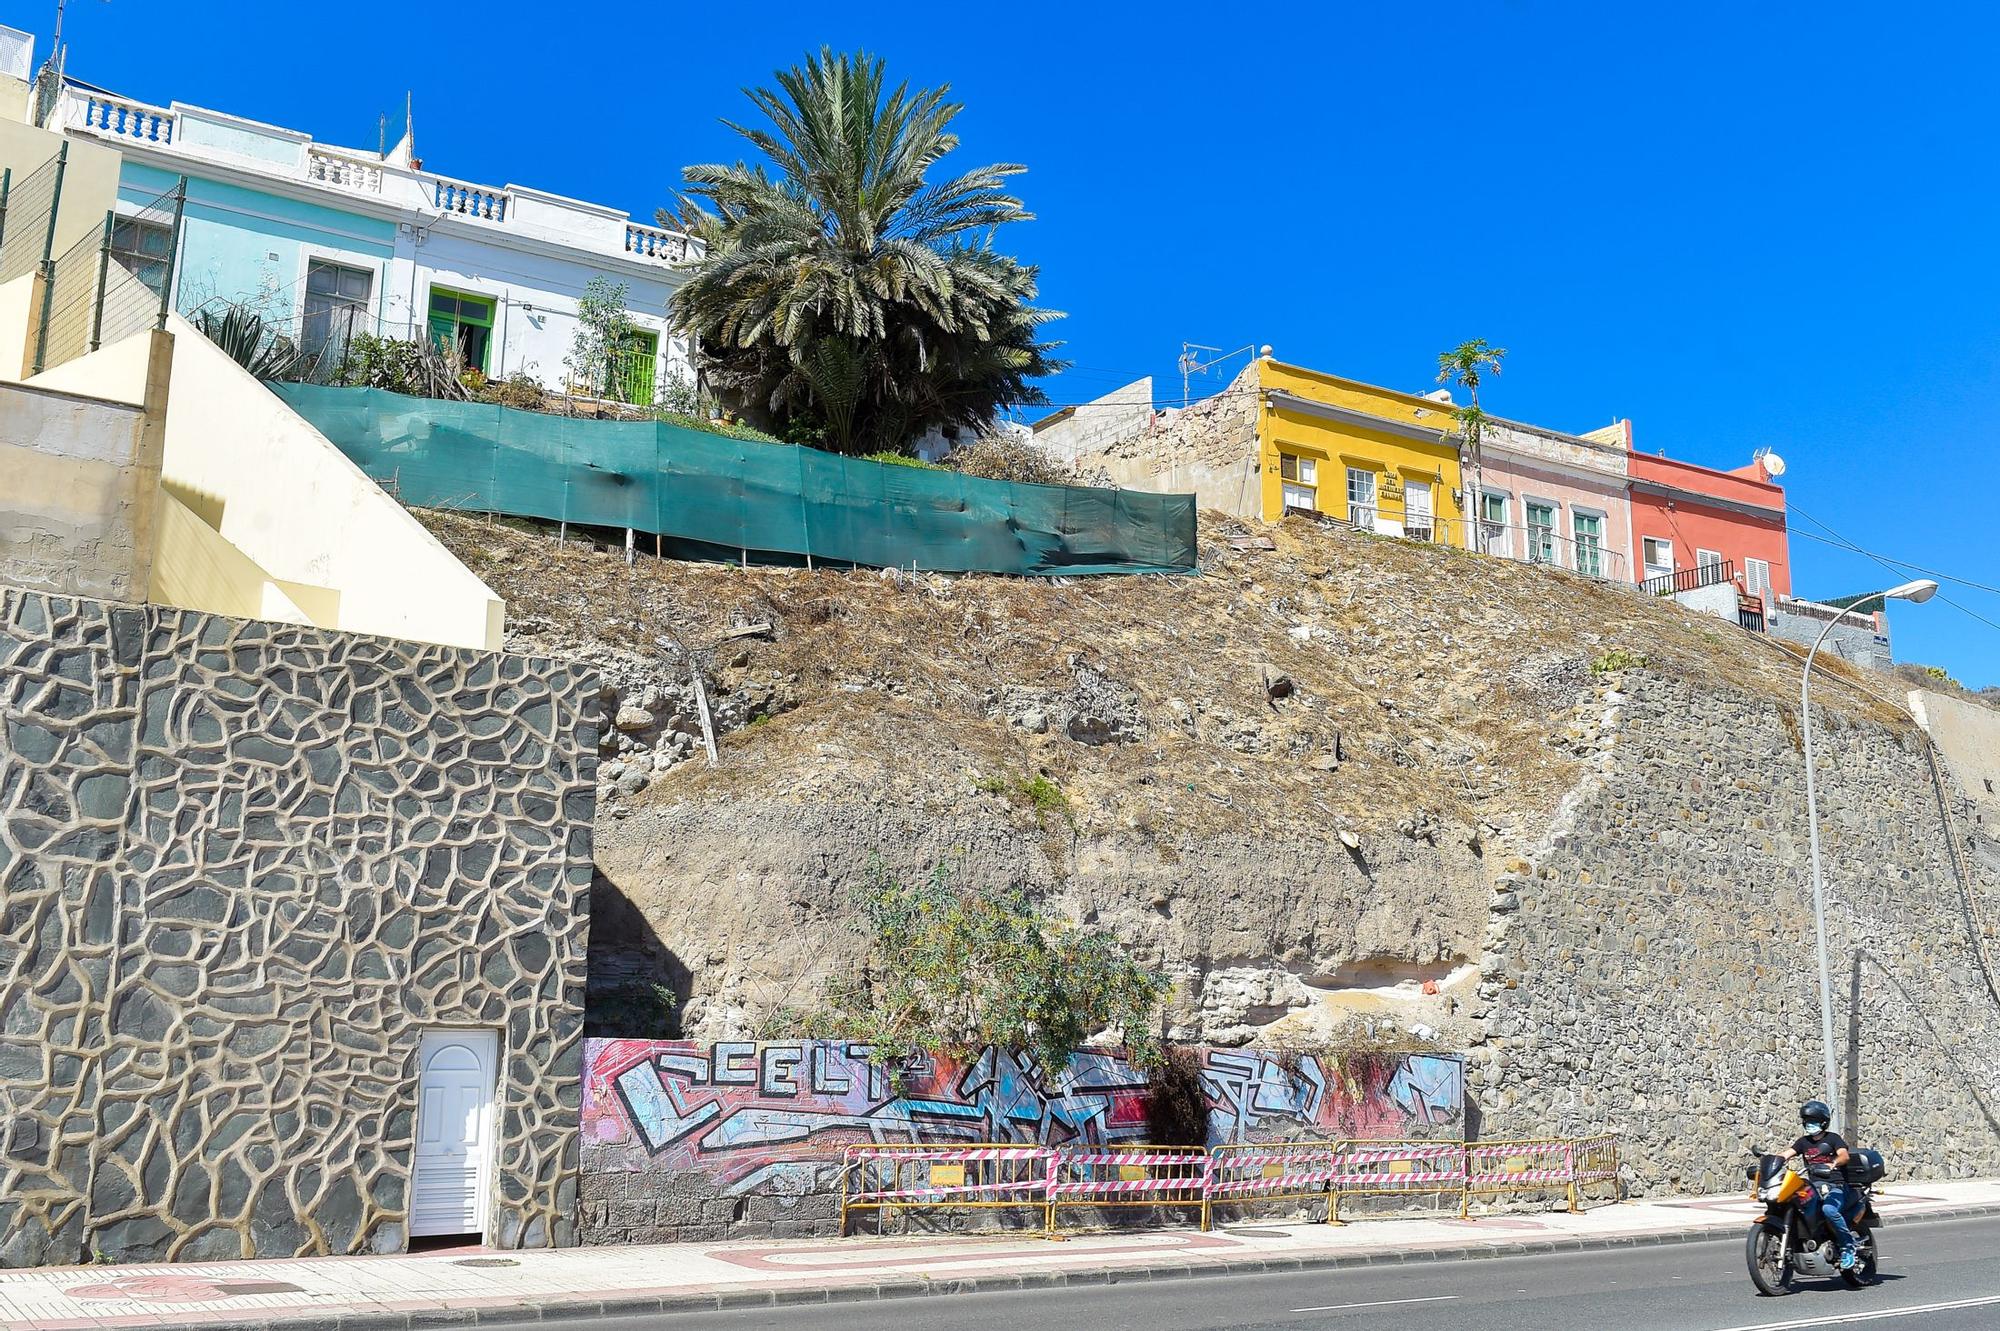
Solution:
(1443, 675)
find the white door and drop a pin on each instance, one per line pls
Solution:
(1417, 510)
(1656, 557)
(455, 1084)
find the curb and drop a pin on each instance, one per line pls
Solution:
(932, 1287)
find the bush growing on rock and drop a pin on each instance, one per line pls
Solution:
(953, 968)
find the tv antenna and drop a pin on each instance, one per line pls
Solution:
(1192, 364)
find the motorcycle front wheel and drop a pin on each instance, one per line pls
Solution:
(1769, 1272)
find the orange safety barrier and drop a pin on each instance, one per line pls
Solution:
(1396, 1168)
(1125, 1176)
(983, 1176)
(1269, 1172)
(1546, 1165)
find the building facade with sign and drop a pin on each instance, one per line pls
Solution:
(1384, 461)
(325, 242)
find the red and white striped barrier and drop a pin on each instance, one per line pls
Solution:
(1415, 1166)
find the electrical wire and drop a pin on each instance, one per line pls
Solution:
(1896, 566)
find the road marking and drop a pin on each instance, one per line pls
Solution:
(1379, 1303)
(1805, 1322)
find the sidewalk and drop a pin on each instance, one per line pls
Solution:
(467, 1286)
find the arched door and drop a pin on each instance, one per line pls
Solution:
(454, 1155)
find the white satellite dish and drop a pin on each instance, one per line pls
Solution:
(1774, 464)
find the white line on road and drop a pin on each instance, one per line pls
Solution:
(1379, 1303)
(1804, 1322)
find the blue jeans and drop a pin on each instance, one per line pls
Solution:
(1833, 1205)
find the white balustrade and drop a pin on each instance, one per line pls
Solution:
(456, 196)
(342, 171)
(126, 120)
(653, 243)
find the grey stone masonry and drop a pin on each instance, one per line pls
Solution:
(242, 867)
(1651, 969)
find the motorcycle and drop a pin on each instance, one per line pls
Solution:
(1793, 1240)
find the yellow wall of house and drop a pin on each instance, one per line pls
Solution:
(1336, 445)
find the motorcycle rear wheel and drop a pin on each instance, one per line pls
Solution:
(1867, 1268)
(1768, 1272)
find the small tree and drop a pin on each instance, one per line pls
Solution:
(952, 969)
(605, 336)
(1464, 365)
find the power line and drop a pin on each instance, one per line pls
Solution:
(1896, 566)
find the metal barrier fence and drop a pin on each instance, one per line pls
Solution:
(1398, 1169)
(886, 1178)
(1128, 1176)
(1520, 1166)
(1049, 1178)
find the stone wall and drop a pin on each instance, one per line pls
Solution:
(243, 866)
(1208, 448)
(1862, 639)
(689, 1142)
(1650, 969)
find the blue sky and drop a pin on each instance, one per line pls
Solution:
(1739, 225)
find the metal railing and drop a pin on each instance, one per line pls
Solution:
(1690, 579)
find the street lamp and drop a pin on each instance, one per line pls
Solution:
(1920, 590)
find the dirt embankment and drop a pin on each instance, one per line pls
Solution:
(1291, 781)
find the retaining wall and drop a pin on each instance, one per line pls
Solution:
(686, 1142)
(243, 866)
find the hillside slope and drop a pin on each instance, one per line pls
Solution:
(1292, 781)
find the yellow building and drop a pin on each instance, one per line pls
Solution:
(1383, 460)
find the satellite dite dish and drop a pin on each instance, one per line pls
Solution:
(1774, 464)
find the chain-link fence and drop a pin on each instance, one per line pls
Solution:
(111, 283)
(27, 216)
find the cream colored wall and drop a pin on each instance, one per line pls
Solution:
(75, 506)
(293, 504)
(197, 570)
(116, 372)
(90, 177)
(16, 298)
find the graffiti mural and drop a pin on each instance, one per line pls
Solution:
(747, 1116)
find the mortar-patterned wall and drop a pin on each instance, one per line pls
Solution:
(242, 867)
(1653, 972)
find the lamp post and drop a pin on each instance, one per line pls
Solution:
(1918, 591)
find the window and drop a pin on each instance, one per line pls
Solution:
(1541, 533)
(1361, 498)
(464, 322)
(1708, 559)
(1757, 578)
(633, 366)
(1589, 531)
(336, 307)
(1658, 556)
(1300, 478)
(1417, 510)
(145, 250)
(1493, 523)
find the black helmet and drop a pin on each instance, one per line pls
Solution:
(1814, 1111)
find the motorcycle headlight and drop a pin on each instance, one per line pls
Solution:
(1768, 1193)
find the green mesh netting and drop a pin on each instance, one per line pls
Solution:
(710, 495)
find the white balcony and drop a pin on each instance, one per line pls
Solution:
(197, 136)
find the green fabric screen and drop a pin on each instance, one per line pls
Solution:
(711, 494)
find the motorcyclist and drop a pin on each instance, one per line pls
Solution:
(1825, 1153)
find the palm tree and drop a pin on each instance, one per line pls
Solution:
(1464, 365)
(844, 296)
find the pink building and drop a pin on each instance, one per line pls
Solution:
(1554, 498)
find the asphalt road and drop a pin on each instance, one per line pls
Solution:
(1683, 1287)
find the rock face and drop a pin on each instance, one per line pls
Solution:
(1343, 789)
(1650, 969)
(243, 867)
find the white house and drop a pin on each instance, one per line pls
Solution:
(325, 241)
